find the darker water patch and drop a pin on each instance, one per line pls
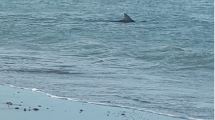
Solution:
(42, 71)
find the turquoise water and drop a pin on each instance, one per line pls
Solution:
(163, 62)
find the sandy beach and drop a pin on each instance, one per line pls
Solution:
(24, 104)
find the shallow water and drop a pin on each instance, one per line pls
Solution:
(163, 62)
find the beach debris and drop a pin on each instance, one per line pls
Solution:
(81, 110)
(16, 108)
(9, 103)
(108, 113)
(35, 109)
(123, 114)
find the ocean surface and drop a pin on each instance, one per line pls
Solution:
(162, 63)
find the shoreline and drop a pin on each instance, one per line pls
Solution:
(24, 104)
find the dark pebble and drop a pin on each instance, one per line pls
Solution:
(35, 109)
(25, 109)
(47, 108)
(123, 114)
(9, 103)
(39, 106)
(16, 108)
(81, 110)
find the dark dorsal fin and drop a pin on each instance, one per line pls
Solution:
(127, 18)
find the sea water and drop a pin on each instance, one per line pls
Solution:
(162, 63)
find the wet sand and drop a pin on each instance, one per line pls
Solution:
(22, 104)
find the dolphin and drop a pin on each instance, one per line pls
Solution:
(126, 19)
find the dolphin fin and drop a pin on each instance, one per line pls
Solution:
(127, 18)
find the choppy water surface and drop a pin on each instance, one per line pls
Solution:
(70, 48)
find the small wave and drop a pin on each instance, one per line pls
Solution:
(196, 67)
(167, 48)
(134, 99)
(105, 104)
(172, 48)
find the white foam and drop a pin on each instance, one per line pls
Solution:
(12, 86)
(34, 89)
(57, 97)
